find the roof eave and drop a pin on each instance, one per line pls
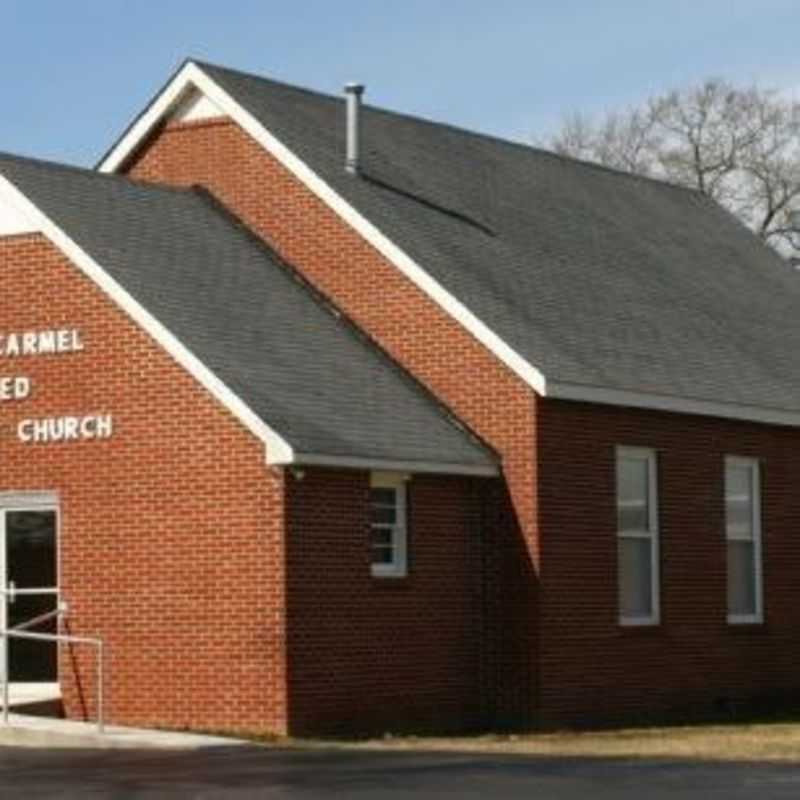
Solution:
(393, 465)
(609, 396)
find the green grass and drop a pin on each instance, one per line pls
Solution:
(750, 741)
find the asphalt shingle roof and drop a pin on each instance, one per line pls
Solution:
(304, 370)
(596, 277)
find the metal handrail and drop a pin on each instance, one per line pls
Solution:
(21, 632)
(33, 622)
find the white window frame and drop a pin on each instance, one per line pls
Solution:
(398, 568)
(754, 466)
(653, 534)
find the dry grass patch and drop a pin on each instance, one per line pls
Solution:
(779, 741)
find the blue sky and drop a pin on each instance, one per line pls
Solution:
(73, 74)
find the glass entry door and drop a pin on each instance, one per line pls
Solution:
(29, 572)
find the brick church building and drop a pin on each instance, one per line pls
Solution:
(325, 418)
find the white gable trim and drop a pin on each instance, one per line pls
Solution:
(195, 107)
(192, 76)
(278, 450)
(13, 221)
(165, 103)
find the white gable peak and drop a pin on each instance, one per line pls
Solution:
(195, 106)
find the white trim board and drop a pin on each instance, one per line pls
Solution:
(194, 106)
(676, 405)
(192, 78)
(13, 221)
(29, 499)
(392, 465)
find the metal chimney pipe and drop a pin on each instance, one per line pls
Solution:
(353, 93)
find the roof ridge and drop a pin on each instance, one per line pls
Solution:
(524, 146)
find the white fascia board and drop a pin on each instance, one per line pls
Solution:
(389, 465)
(676, 405)
(278, 450)
(192, 76)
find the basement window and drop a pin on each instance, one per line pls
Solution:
(388, 525)
(637, 537)
(743, 535)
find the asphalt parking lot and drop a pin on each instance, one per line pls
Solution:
(244, 772)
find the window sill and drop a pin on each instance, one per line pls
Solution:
(745, 622)
(389, 576)
(636, 624)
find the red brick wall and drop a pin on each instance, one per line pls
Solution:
(591, 668)
(171, 531)
(367, 654)
(437, 350)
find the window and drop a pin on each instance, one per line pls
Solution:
(743, 534)
(637, 537)
(388, 525)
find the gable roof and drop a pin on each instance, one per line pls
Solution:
(591, 284)
(300, 368)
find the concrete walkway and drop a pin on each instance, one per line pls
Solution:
(46, 732)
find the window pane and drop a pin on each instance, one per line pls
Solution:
(382, 555)
(632, 499)
(382, 536)
(383, 496)
(635, 578)
(739, 501)
(632, 515)
(738, 480)
(31, 548)
(384, 515)
(741, 578)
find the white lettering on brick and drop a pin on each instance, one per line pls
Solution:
(65, 429)
(40, 343)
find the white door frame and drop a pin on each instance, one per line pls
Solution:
(26, 501)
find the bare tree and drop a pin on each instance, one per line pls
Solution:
(739, 146)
